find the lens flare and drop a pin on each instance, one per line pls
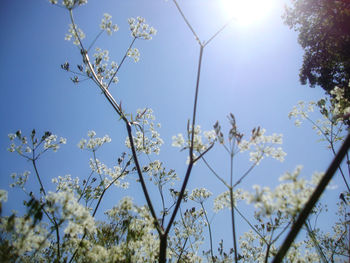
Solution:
(246, 12)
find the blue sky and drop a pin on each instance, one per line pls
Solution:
(250, 71)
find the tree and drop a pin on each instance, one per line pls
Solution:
(324, 34)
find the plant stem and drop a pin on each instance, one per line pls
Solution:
(312, 201)
(210, 235)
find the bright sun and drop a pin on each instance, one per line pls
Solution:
(246, 12)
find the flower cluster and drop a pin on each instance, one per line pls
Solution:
(139, 29)
(3, 195)
(146, 139)
(288, 197)
(24, 235)
(223, 200)
(263, 145)
(302, 111)
(67, 206)
(49, 142)
(69, 4)
(134, 53)
(200, 195)
(334, 113)
(76, 33)
(341, 105)
(198, 144)
(189, 228)
(107, 174)
(66, 183)
(19, 179)
(133, 227)
(158, 174)
(107, 25)
(104, 71)
(93, 143)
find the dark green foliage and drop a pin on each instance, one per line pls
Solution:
(324, 34)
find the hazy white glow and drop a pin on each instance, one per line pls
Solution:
(246, 12)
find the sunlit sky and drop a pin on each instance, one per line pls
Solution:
(249, 69)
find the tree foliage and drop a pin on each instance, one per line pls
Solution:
(324, 34)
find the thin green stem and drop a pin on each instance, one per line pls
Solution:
(316, 243)
(232, 209)
(42, 189)
(121, 63)
(213, 171)
(94, 41)
(210, 233)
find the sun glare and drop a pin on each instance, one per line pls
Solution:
(246, 12)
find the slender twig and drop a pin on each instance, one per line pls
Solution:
(233, 225)
(122, 61)
(42, 189)
(160, 188)
(188, 24)
(96, 163)
(233, 205)
(203, 153)
(217, 176)
(340, 169)
(94, 41)
(210, 233)
(244, 175)
(283, 230)
(219, 31)
(85, 186)
(312, 201)
(315, 242)
(251, 226)
(348, 163)
(182, 249)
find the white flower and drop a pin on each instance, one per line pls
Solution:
(12, 136)
(3, 195)
(178, 141)
(139, 29)
(134, 53)
(63, 140)
(199, 195)
(91, 134)
(106, 24)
